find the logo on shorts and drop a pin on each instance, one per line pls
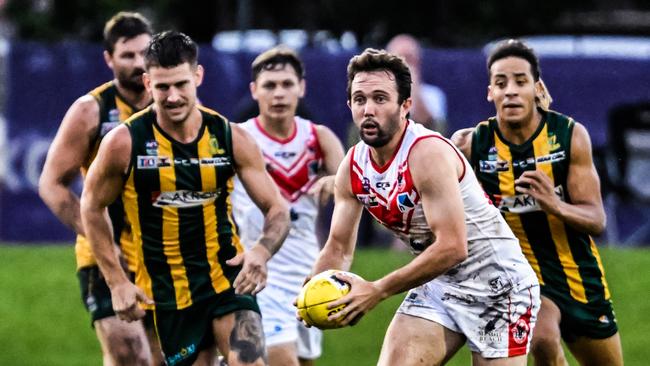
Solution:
(604, 319)
(184, 353)
(520, 331)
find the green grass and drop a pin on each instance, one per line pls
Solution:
(43, 322)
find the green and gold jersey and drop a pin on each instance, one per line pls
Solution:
(177, 199)
(113, 110)
(566, 261)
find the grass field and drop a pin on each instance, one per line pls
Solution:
(42, 320)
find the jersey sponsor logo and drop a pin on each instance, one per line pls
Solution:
(151, 147)
(214, 146)
(382, 185)
(183, 198)
(114, 115)
(492, 166)
(155, 162)
(365, 184)
(552, 143)
(522, 203)
(215, 161)
(368, 200)
(152, 162)
(284, 154)
(551, 158)
(405, 201)
(401, 182)
(107, 127)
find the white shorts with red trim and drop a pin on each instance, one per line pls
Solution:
(495, 327)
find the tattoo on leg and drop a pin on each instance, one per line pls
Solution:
(247, 337)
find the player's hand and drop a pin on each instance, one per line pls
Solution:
(126, 298)
(323, 189)
(362, 298)
(252, 277)
(538, 185)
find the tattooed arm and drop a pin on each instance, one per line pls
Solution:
(261, 189)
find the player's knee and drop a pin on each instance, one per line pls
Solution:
(235, 360)
(545, 347)
(130, 350)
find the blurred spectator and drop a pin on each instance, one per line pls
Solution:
(429, 101)
(247, 108)
(6, 32)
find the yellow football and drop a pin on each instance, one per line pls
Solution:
(317, 293)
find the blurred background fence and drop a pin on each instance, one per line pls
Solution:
(50, 55)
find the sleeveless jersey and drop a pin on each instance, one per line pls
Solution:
(294, 164)
(113, 110)
(494, 264)
(566, 261)
(177, 199)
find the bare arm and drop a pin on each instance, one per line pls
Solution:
(332, 155)
(443, 208)
(338, 251)
(103, 185)
(69, 150)
(463, 140)
(265, 194)
(585, 213)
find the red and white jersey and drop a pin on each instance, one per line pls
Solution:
(294, 164)
(495, 262)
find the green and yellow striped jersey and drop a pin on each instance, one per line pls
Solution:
(566, 261)
(177, 198)
(113, 110)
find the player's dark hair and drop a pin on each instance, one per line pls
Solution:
(126, 25)
(169, 49)
(379, 60)
(514, 48)
(277, 58)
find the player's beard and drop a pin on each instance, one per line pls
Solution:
(384, 134)
(132, 82)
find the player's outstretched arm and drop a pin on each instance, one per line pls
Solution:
(102, 186)
(463, 140)
(265, 194)
(332, 155)
(585, 213)
(439, 189)
(338, 251)
(68, 151)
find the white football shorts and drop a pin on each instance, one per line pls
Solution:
(281, 326)
(495, 327)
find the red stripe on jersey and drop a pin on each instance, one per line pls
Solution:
(287, 170)
(282, 141)
(295, 180)
(386, 210)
